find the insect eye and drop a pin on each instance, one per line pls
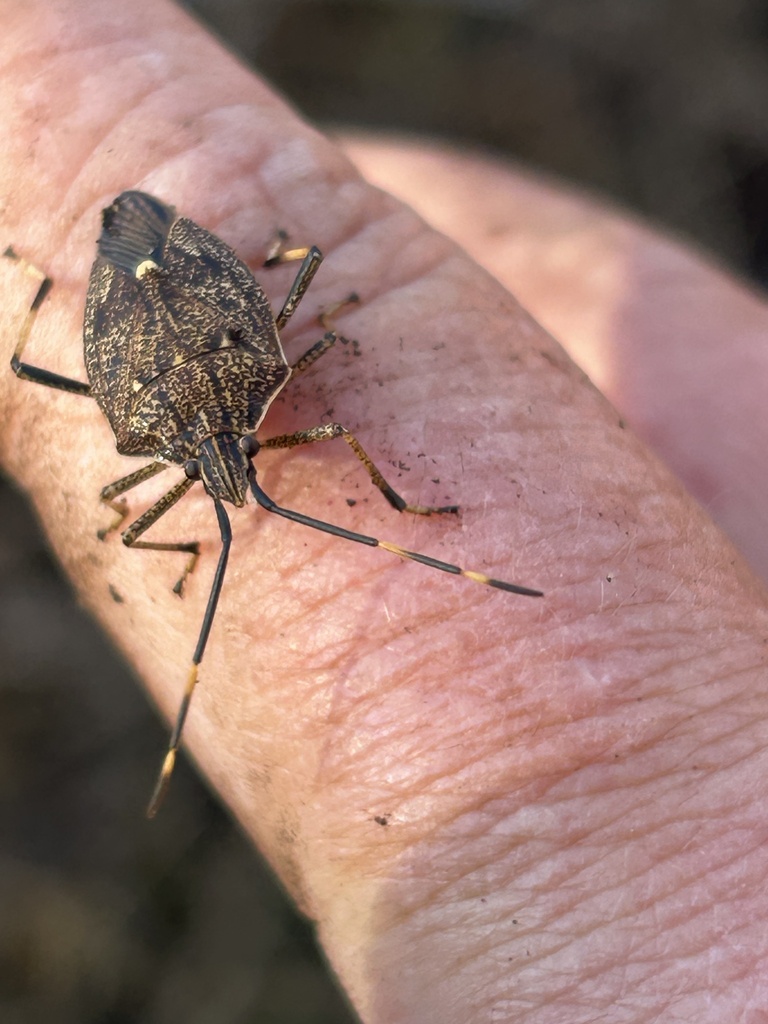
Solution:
(249, 445)
(192, 469)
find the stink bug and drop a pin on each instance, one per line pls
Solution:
(184, 358)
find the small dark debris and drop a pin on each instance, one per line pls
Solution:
(116, 596)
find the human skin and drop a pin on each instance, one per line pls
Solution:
(571, 788)
(674, 342)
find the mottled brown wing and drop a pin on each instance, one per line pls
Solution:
(220, 287)
(200, 299)
(117, 330)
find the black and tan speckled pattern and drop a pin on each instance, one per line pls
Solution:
(182, 348)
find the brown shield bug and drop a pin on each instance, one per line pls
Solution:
(184, 358)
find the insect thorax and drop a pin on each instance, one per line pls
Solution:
(178, 411)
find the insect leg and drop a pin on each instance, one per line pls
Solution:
(307, 271)
(327, 341)
(213, 599)
(328, 432)
(24, 370)
(329, 312)
(113, 491)
(143, 523)
(313, 354)
(279, 252)
(360, 538)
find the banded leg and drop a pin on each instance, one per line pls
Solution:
(25, 371)
(213, 599)
(143, 523)
(112, 492)
(328, 432)
(311, 257)
(279, 252)
(360, 538)
(328, 340)
(312, 354)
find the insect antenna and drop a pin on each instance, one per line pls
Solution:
(213, 599)
(360, 538)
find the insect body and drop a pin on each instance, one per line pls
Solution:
(181, 346)
(183, 356)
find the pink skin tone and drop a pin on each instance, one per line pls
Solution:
(571, 786)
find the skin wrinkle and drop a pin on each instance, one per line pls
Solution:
(106, 141)
(193, 146)
(671, 897)
(612, 822)
(98, 145)
(419, 669)
(673, 889)
(317, 642)
(334, 716)
(647, 851)
(725, 734)
(653, 899)
(159, 93)
(595, 972)
(697, 922)
(359, 216)
(391, 236)
(498, 845)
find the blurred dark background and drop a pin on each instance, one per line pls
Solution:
(660, 104)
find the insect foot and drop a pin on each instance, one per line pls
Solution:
(183, 355)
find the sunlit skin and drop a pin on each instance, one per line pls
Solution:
(572, 786)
